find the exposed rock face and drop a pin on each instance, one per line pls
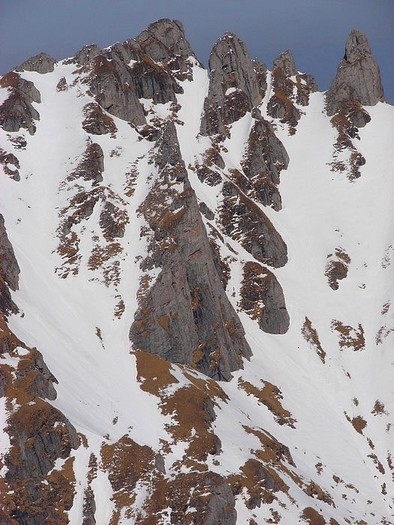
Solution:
(10, 164)
(111, 83)
(91, 166)
(17, 110)
(289, 88)
(147, 67)
(33, 490)
(164, 41)
(86, 54)
(262, 299)
(357, 79)
(245, 222)
(9, 269)
(41, 63)
(186, 316)
(264, 160)
(96, 121)
(285, 61)
(235, 85)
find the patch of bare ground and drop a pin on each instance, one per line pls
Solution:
(10, 164)
(383, 332)
(349, 337)
(270, 396)
(358, 423)
(311, 336)
(119, 307)
(127, 463)
(193, 498)
(131, 179)
(377, 463)
(312, 517)
(337, 267)
(379, 409)
(191, 408)
(277, 460)
(261, 482)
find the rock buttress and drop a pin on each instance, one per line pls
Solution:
(357, 80)
(236, 85)
(185, 317)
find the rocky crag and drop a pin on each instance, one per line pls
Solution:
(179, 341)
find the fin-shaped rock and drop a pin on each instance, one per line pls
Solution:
(357, 80)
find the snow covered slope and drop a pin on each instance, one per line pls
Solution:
(205, 281)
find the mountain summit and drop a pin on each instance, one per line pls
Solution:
(196, 321)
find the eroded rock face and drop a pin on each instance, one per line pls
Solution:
(146, 67)
(235, 85)
(289, 88)
(17, 110)
(164, 41)
(263, 299)
(112, 85)
(185, 317)
(9, 269)
(96, 121)
(245, 222)
(265, 158)
(41, 63)
(86, 54)
(357, 78)
(91, 165)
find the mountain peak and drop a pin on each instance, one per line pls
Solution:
(163, 39)
(286, 62)
(41, 63)
(357, 47)
(357, 80)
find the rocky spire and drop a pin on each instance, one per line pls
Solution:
(41, 63)
(285, 61)
(164, 39)
(358, 77)
(289, 89)
(235, 85)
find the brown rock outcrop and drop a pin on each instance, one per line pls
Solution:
(262, 298)
(96, 121)
(289, 88)
(17, 111)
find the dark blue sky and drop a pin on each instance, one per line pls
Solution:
(315, 30)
